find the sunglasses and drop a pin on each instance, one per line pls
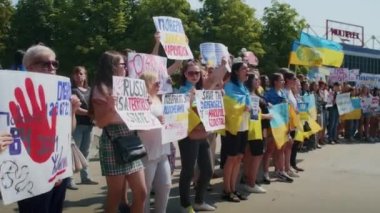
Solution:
(47, 64)
(193, 73)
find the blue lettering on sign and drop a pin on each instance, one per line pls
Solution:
(63, 90)
(170, 25)
(211, 105)
(15, 147)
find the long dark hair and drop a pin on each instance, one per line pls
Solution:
(249, 84)
(76, 70)
(107, 66)
(186, 65)
(274, 77)
(263, 79)
(234, 72)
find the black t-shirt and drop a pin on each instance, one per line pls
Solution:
(84, 97)
(265, 124)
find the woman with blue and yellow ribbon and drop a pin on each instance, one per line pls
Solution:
(237, 102)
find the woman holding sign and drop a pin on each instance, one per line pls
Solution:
(156, 163)
(195, 148)
(102, 108)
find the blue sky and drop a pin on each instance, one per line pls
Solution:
(364, 12)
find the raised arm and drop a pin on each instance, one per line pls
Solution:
(156, 44)
(216, 76)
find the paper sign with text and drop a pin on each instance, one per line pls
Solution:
(132, 103)
(138, 63)
(255, 107)
(212, 53)
(36, 110)
(344, 104)
(210, 109)
(173, 38)
(176, 117)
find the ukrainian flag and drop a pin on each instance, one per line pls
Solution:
(235, 100)
(305, 55)
(357, 113)
(331, 52)
(311, 107)
(280, 123)
(255, 132)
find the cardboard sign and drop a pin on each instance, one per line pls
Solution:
(344, 104)
(210, 109)
(138, 63)
(176, 115)
(132, 103)
(369, 80)
(35, 109)
(173, 38)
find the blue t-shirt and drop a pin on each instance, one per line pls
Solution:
(275, 97)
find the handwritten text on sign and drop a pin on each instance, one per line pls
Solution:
(344, 104)
(210, 109)
(35, 109)
(138, 63)
(173, 38)
(176, 112)
(132, 103)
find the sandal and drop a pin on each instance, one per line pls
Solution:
(230, 197)
(241, 196)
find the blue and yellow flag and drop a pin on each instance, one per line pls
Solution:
(356, 113)
(255, 132)
(236, 99)
(305, 55)
(311, 106)
(331, 52)
(280, 123)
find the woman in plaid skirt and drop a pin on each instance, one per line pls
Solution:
(106, 117)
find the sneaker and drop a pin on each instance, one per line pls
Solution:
(298, 169)
(89, 182)
(256, 189)
(230, 197)
(266, 179)
(71, 185)
(282, 176)
(203, 207)
(292, 174)
(241, 196)
(188, 209)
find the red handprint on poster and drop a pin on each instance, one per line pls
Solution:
(37, 135)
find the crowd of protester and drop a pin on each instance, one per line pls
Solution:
(242, 151)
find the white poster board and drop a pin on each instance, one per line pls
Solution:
(138, 63)
(213, 53)
(344, 103)
(35, 109)
(210, 109)
(255, 107)
(132, 103)
(176, 117)
(173, 38)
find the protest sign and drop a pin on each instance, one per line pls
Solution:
(132, 103)
(356, 113)
(212, 53)
(311, 106)
(250, 58)
(369, 80)
(35, 109)
(343, 75)
(176, 114)
(210, 109)
(344, 104)
(365, 103)
(173, 38)
(255, 108)
(138, 63)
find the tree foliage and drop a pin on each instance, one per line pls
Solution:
(6, 12)
(233, 23)
(80, 30)
(282, 25)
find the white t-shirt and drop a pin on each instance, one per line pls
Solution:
(291, 99)
(152, 139)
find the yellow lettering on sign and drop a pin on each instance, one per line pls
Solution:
(171, 38)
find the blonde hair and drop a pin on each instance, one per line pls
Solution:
(149, 78)
(36, 52)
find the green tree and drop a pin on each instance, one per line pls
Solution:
(6, 12)
(282, 25)
(233, 23)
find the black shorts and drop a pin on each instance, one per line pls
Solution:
(235, 144)
(256, 147)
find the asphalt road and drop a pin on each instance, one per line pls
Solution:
(341, 178)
